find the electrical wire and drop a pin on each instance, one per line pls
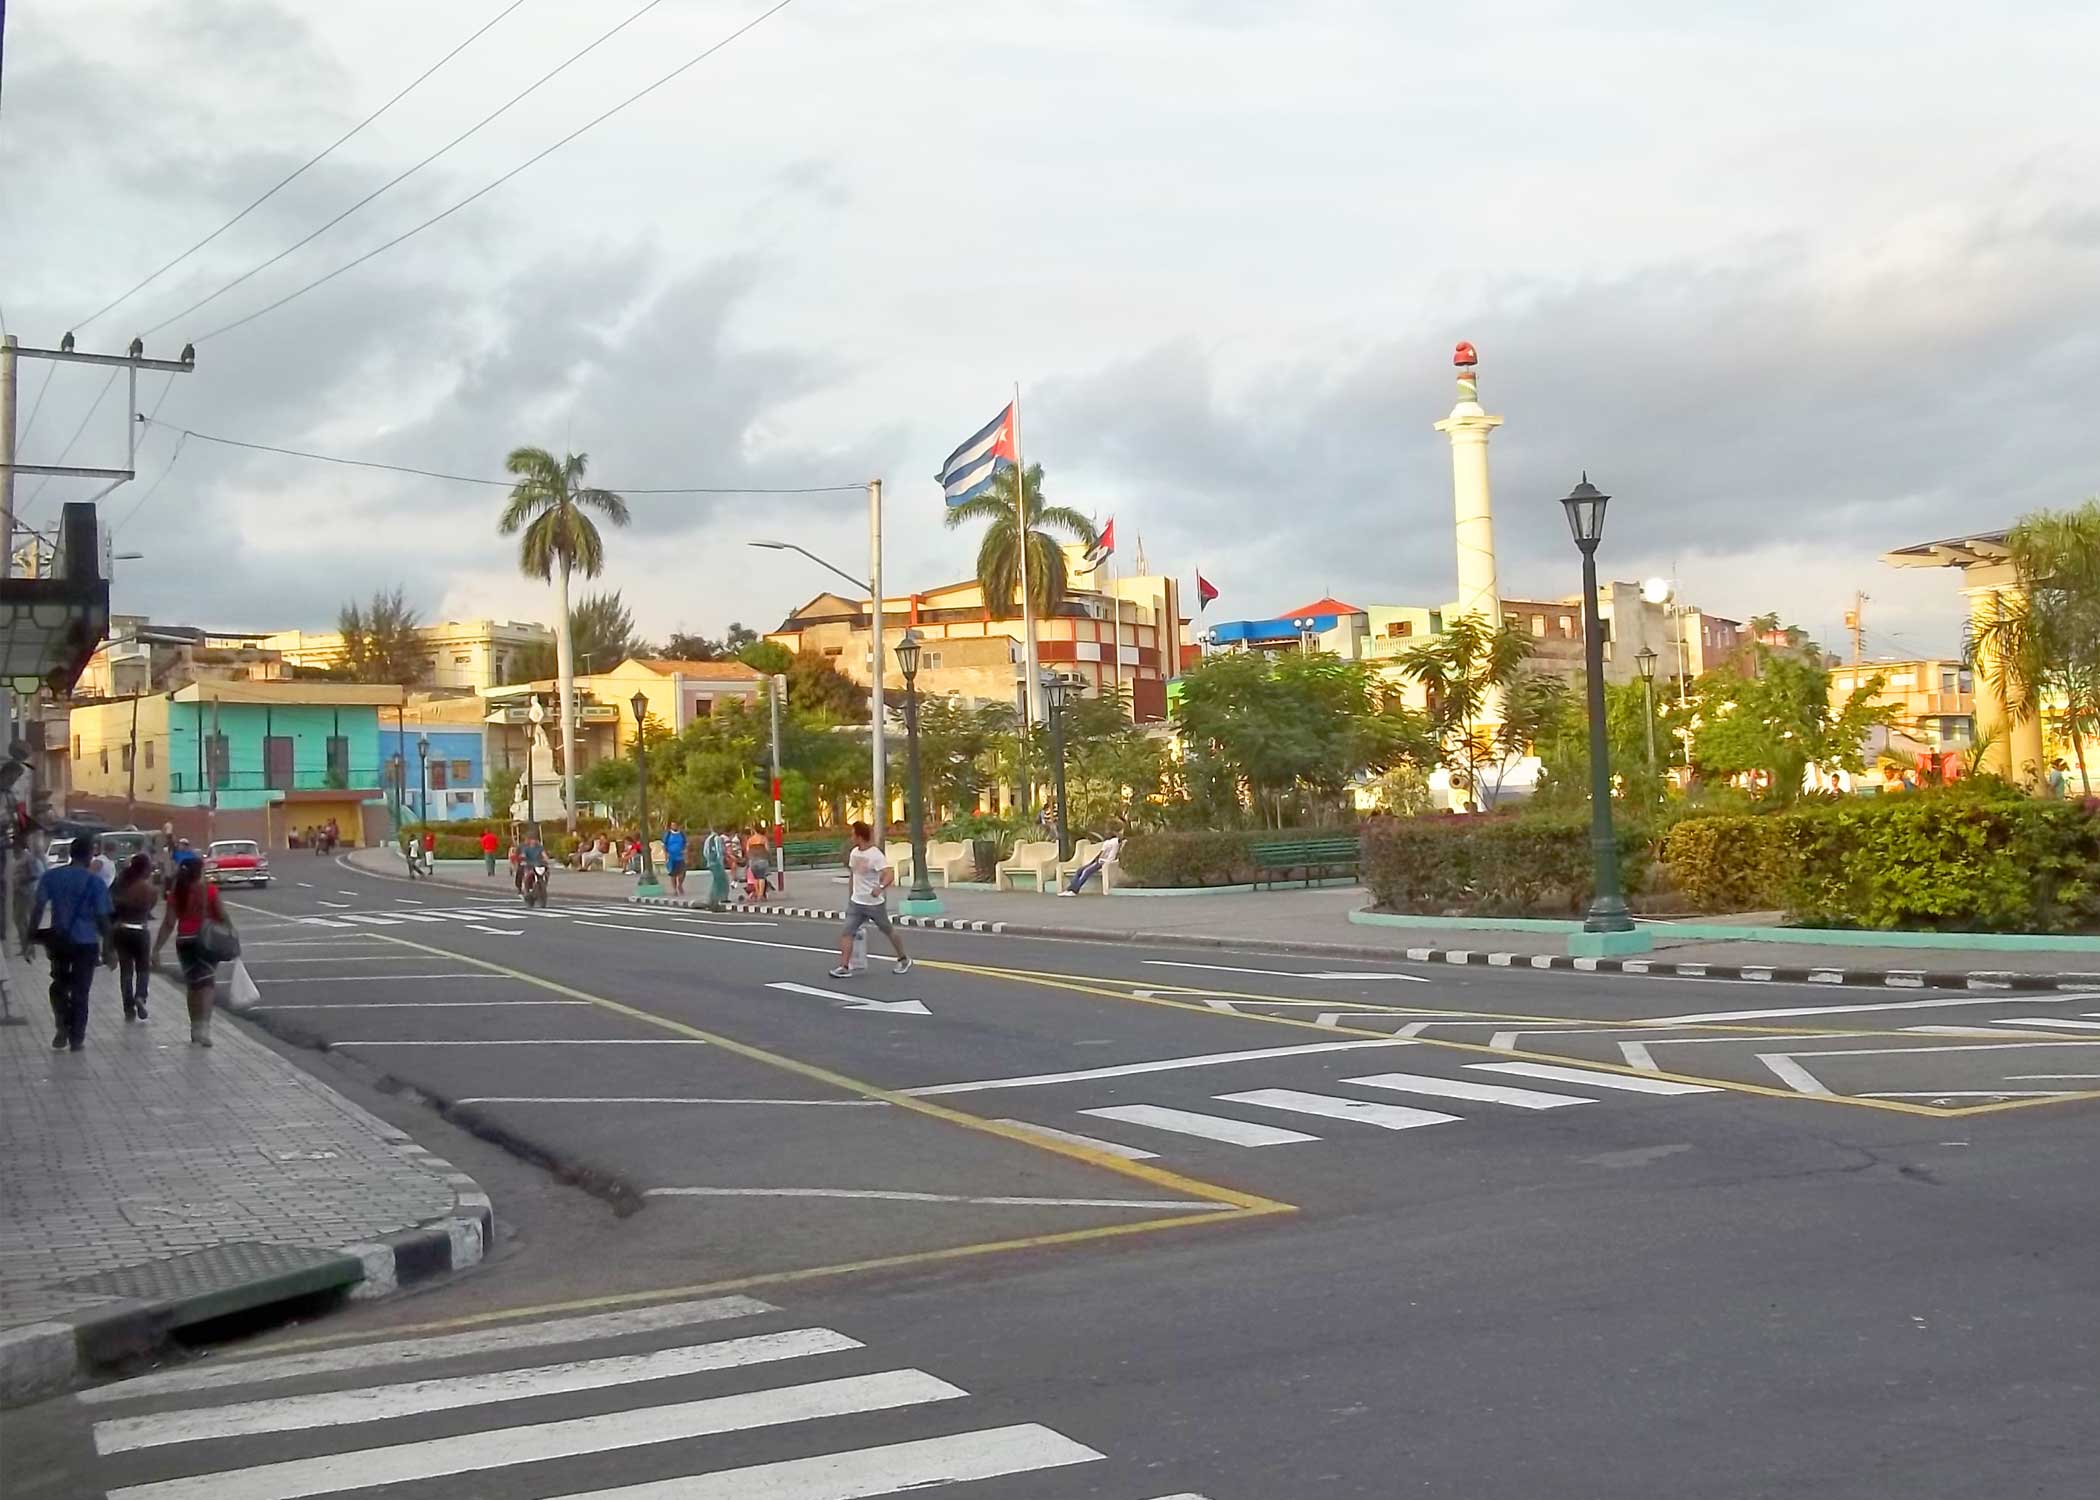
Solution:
(22, 437)
(403, 176)
(153, 488)
(505, 484)
(67, 451)
(482, 192)
(311, 163)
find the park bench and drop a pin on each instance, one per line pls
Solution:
(809, 854)
(1314, 856)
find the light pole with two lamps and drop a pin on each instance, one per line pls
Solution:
(1607, 928)
(1645, 660)
(646, 884)
(1307, 629)
(920, 901)
(1055, 689)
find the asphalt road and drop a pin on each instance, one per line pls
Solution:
(1058, 1219)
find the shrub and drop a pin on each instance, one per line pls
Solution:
(1524, 865)
(1964, 860)
(1732, 862)
(1169, 860)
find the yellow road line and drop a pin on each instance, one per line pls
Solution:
(1158, 1177)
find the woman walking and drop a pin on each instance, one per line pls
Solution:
(715, 852)
(134, 897)
(192, 902)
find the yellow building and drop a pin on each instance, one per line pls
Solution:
(678, 693)
(1934, 699)
(470, 654)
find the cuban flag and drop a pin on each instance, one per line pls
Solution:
(969, 469)
(1104, 547)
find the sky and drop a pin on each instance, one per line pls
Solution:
(1795, 283)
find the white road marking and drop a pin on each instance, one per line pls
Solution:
(1092, 1143)
(1172, 963)
(2045, 1021)
(371, 921)
(1504, 1041)
(1165, 1065)
(450, 1393)
(666, 1099)
(899, 1196)
(405, 1004)
(304, 885)
(1467, 1088)
(408, 901)
(2022, 1077)
(1951, 1031)
(2039, 1043)
(405, 1463)
(395, 978)
(1637, 1055)
(497, 931)
(349, 893)
(545, 1041)
(335, 905)
(238, 1371)
(394, 956)
(1968, 1094)
(1209, 1127)
(855, 1002)
(1792, 1074)
(1384, 1116)
(890, 1469)
(710, 937)
(321, 921)
(1595, 1080)
(1838, 1010)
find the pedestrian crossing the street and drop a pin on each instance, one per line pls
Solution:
(1349, 1109)
(701, 1400)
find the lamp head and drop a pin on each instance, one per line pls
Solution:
(640, 704)
(1585, 507)
(1645, 660)
(908, 655)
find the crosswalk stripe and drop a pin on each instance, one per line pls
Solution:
(1385, 1116)
(2042, 1022)
(377, 1403)
(863, 1472)
(1626, 1081)
(1466, 1088)
(323, 922)
(368, 920)
(1210, 1127)
(1073, 1138)
(419, 916)
(397, 1352)
(405, 1463)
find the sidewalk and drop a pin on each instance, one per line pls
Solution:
(148, 1185)
(1325, 921)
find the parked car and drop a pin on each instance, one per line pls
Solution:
(236, 862)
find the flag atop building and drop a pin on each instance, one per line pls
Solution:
(1205, 591)
(1104, 545)
(969, 469)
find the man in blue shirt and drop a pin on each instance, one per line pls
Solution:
(674, 856)
(80, 914)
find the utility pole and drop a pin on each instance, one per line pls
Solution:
(776, 689)
(881, 820)
(131, 768)
(1856, 622)
(8, 389)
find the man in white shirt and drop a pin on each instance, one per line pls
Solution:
(104, 867)
(867, 901)
(1105, 855)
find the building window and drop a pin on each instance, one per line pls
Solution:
(1967, 682)
(1436, 622)
(277, 762)
(834, 650)
(339, 758)
(1567, 627)
(76, 747)
(704, 708)
(1538, 625)
(149, 755)
(219, 759)
(127, 757)
(462, 772)
(105, 758)
(1946, 679)
(437, 776)
(933, 659)
(1399, 629)
(464, 658)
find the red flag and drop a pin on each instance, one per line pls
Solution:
(1104, 545)
(1205, 591)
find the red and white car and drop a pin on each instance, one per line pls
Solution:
(236, 862)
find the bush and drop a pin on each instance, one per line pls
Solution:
(1733, 862)
(1189, 859)
(1494, 865)
(1959, 859)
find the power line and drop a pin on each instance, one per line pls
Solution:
(300, 171)
(153, 488)
(22, 438)
(403, 176)
(540, 156)
(67, 451)
(506, 484)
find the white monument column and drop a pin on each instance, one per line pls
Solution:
(1468, 427)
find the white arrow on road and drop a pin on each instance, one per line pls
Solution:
(855, 1002)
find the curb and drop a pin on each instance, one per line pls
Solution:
(1902, 979)
(49, 1358)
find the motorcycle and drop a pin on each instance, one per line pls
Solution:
(533, 885)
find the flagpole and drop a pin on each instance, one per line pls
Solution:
(1029, 686)
(1115, 602)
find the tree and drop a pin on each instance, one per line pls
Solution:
(817, 687)
(688, 646)
(1563, 745)
(382, 641)
(602, 635)
(999, 554)
(2039, 644)
(1294, 730)
(1777, 723)
(500, 786)
(552, 507)
(1471, 670)
(767, 657)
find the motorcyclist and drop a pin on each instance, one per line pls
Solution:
(532, 855)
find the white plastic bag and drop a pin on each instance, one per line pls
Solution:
(243, 992)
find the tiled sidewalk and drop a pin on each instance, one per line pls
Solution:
(142, 1149)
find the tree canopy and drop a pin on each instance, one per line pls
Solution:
(999, 554)
(381, 641)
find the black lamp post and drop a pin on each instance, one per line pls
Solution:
(1645, 660)
(1607, 913)
(397, 780)
(1054, 690)
(535, 715)
(423, 779)
(920, 901)
(647, 884)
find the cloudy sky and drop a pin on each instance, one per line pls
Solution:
(1797, 283)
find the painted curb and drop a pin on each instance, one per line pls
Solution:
(1908, 979)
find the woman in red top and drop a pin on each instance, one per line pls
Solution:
(192, 901)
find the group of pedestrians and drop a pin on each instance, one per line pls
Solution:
(99, 916)
(733, 857)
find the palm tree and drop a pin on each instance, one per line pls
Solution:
(2041, 640)
(999, 554)
(551, 506)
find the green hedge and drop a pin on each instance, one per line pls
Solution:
(1731, 862)
(1531, 865)
(1183, 860)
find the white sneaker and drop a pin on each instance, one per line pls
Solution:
(1068, 893)
(842, 972)
(903, 966)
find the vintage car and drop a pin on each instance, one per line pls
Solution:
(236, 862)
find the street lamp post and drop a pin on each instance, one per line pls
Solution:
(397, 782)
(536, 713)
(1607, 925)
(1054, 690)
(423, 779)
(921, 901)
(646, 885)
(1306, 629)
(1645, 660)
